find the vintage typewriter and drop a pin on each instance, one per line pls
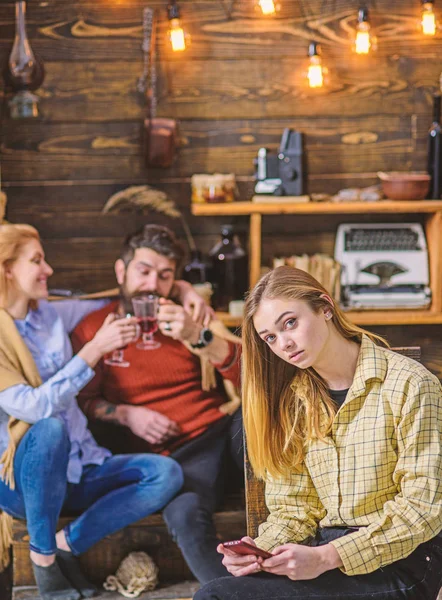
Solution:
(384, 265)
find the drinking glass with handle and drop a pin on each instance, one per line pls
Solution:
(117, 357)
(146, 311)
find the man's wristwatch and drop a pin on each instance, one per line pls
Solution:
(206, 336)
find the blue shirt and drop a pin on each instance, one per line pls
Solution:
(45, 332)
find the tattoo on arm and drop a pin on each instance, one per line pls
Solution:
(105, 411)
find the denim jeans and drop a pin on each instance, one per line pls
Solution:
(189, 516)
(417, 577)
(110, 496)
(204, 460)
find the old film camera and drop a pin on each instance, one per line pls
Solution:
(281, 174)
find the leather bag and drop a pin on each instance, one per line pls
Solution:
(160, 134)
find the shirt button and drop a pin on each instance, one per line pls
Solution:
(427, 558)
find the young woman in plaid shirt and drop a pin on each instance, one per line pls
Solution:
(348, 437)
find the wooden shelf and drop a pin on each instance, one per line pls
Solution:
(368, 317)
(433, 229)
(316, 208)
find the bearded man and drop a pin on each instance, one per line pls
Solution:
(165, 401)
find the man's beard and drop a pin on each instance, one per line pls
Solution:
(126, 301)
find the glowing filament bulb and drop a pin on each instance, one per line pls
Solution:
(176, 35)
(267, 7)
(315, 71)
(363, 40)
(428, 19)
(315, 75)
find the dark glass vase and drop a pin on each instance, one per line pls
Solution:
(229, 272)
(24, 72)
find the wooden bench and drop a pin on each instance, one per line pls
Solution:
(149, 534)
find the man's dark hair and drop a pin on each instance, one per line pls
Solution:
(157, 238)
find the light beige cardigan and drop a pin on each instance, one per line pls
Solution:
(16, 366)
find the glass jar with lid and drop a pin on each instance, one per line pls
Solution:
(213, 188)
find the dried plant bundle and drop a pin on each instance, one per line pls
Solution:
(145, 198)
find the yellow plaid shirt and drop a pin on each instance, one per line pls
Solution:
(381, 469)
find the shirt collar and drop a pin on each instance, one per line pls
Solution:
(371, 364)
(32, 320)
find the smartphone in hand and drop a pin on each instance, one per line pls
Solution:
(245, 548)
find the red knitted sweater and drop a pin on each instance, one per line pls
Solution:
(167, 380)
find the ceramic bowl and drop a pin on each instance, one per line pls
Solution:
(398, 185)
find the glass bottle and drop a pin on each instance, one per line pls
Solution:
(23, 72)
(195, 271)
(229, 273)
(435, 151)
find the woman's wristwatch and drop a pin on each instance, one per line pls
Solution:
(206, 336)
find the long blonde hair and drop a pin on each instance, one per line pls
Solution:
(12, 240)
(278, 423)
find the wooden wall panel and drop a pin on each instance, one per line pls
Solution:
(238, 85)
(106, 91)
(80, 150)
(84, 28)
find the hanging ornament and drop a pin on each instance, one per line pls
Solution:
(24, 72)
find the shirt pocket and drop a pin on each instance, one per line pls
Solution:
(321, 461)
(367, 464)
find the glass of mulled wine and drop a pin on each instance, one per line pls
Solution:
(146, 311)
(117, 357)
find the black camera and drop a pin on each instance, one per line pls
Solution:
(281, 174)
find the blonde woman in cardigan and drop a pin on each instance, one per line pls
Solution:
(50, 460)
(348, 438)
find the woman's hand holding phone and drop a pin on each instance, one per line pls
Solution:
(292, 560)
(299, 562)
(242, 564)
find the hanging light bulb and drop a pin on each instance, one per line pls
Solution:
(428, 21)
(176, 33)
(316, 70)
(364, 41)
(267, 6)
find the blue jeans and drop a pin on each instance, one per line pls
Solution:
(110, 496)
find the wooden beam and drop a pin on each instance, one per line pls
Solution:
(255, 248)
(317, 208)
(434, 242)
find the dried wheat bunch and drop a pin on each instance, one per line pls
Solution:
(144, 198)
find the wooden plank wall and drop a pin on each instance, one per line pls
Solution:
(239, 84)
